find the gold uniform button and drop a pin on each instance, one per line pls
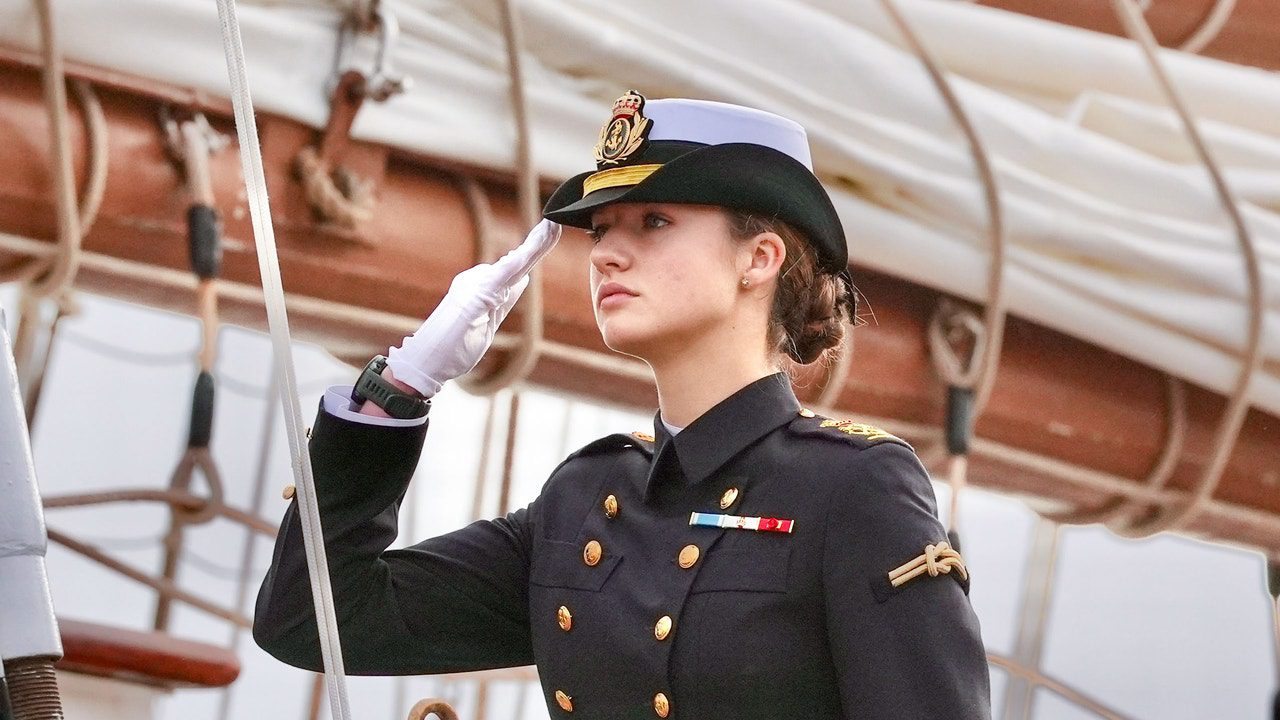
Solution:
(288, 492)
(564, 701)
(806, 412)
(611, 506)
(688, 556)
(661, 705)
(565, 618)
(728, 497)
(591, 553)
(663, 627)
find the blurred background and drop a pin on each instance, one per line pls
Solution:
(1022, 195)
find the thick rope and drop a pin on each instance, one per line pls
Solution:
(433, 706)
(980, 375)
(205, 253)
(98, 152)
(346, 201)
(52, 278)
(531, 347)
(1238, 404)
(278, 320)
(1210, 27)
(1059, 688)
(55, 97)
(164, 587)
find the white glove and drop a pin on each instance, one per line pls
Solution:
(451, 341)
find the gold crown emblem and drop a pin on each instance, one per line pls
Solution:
(625, 132)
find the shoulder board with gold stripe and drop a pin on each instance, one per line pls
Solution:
(615, 442)
(858, 433)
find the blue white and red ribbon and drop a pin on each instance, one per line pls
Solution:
(759, 524)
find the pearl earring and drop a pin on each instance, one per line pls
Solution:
(745, 282)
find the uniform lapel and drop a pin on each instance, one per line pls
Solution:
(724, 431)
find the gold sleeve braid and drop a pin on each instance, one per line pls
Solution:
(940, 558)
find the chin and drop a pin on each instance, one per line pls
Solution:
(627, 338)
(645, 341)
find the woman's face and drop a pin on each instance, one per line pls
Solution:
(676, 266)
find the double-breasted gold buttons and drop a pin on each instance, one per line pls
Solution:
(661, 705)
(662, 628)
(611, 506)
(564, 618)
(564, 701)
(688, 556)
(592, 552)
(728, 498)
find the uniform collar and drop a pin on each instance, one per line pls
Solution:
(722, 432)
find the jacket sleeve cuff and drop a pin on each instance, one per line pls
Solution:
(337, 402)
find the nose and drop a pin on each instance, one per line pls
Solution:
(610, 254)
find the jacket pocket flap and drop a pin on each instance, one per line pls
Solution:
(557, 563)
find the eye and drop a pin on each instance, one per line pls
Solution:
(654, 220)
(597, 232)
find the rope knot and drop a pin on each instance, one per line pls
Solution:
(931, 559)
(937, 559)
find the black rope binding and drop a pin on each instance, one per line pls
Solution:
(201, 411)
(959, 431)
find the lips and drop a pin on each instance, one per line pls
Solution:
(612, 288)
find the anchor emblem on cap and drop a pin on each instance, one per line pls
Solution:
(626, 131)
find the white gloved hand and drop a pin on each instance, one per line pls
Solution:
(456, 335)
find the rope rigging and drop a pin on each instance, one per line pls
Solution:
(204, 232)
(968, 384)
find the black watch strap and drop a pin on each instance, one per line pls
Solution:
(397, 403)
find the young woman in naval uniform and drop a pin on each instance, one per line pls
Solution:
(749, 560)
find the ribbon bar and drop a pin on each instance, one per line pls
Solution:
(759, 524)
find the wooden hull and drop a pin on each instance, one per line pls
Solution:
(1056, 396)
(1248, 36)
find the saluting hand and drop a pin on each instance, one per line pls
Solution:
(451, 341)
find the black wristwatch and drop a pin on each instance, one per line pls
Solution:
(377, 389)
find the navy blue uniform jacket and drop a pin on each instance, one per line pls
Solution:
(628, 610)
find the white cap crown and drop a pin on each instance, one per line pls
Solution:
(716, 123)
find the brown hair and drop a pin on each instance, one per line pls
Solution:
(805, 322)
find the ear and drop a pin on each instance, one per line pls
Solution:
(768, 251)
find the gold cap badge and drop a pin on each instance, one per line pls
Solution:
(626, 131)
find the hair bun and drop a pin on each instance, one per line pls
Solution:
(809, 305)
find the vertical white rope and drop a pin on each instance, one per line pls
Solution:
(278, 321)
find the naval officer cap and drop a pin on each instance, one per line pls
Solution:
(705, 153)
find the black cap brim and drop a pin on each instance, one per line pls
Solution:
(740, 176)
